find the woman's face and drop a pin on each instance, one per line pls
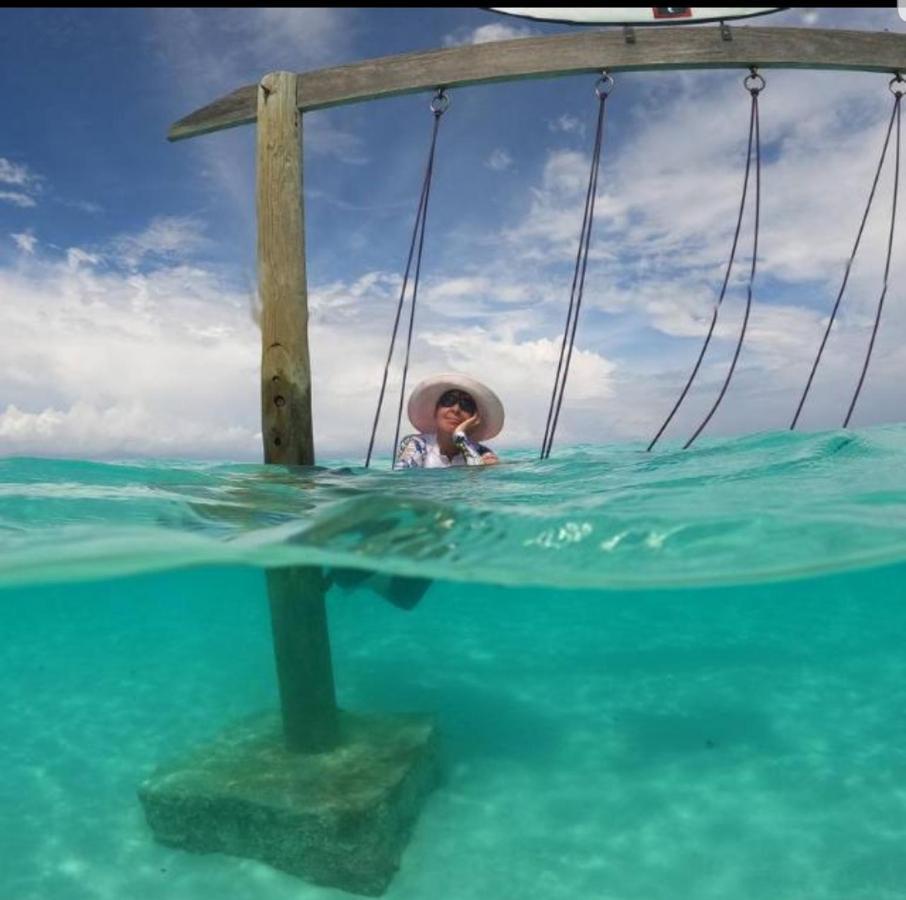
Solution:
(450, 414)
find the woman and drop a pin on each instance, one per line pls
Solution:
(452, 413)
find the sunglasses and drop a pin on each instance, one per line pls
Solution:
(466, 403)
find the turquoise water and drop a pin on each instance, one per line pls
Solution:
(656, 676)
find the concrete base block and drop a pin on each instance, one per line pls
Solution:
(340, 819)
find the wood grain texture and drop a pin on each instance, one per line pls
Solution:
(286, 425)
(568, 54)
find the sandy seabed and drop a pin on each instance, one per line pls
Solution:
(744, 743)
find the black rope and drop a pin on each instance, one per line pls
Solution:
(723, 289)
(545, 449)
(578, 284)
(893, 218)
(572, 294)
(396, 322)
(418, 269)
(438, 108)
(852, 257)
(754, 91)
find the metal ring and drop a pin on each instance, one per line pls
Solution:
(440, 102)
(751, 82)
(899, 80)
(604, 85)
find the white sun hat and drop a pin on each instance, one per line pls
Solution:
(423, 403)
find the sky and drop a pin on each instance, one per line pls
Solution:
(127, 263)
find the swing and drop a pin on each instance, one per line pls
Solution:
(439, 106)
(897, 87)
(754, 83)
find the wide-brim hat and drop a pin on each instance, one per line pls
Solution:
(423, 403)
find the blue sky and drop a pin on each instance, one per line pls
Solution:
(127, 263)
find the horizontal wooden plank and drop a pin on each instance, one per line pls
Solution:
(567, 54)
(238, 108)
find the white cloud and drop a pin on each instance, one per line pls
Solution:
(25, 241)
(522, 372)
(485, 34)
(166, 237)
(76, 257)
(19, 176)
(324, 138)
(549, 232)
(17, 199)
(97, 361)
(670, 214)
(85, 206)
(205, 54)
(100, 363)
(293, 38)
(499, 160)
(31, 186)
(213, 51)
(14, 173)
(568, 124)
(123, 428)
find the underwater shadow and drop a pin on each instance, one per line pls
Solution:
(716, 734)
(475, 721)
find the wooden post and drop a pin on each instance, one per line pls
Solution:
(285, 367)
(298, 613)
(302, 652)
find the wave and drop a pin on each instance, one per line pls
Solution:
(772, 506)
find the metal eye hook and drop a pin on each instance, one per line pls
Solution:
(753, 82)
(440, 103)
(604, 85)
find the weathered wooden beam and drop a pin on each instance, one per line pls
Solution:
(238, 108)
(285, 369)
(567, 54)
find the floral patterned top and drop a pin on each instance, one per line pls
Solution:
(422, 451)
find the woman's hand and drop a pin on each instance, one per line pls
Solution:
(488, 458)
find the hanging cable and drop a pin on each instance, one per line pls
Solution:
(603, 88)
(898, 96)
(439, 106)
(754, 84)
(726, 281)
(852, 256)
(723, 289)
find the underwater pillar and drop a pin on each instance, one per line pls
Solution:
(302, 653)
(286, 790)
